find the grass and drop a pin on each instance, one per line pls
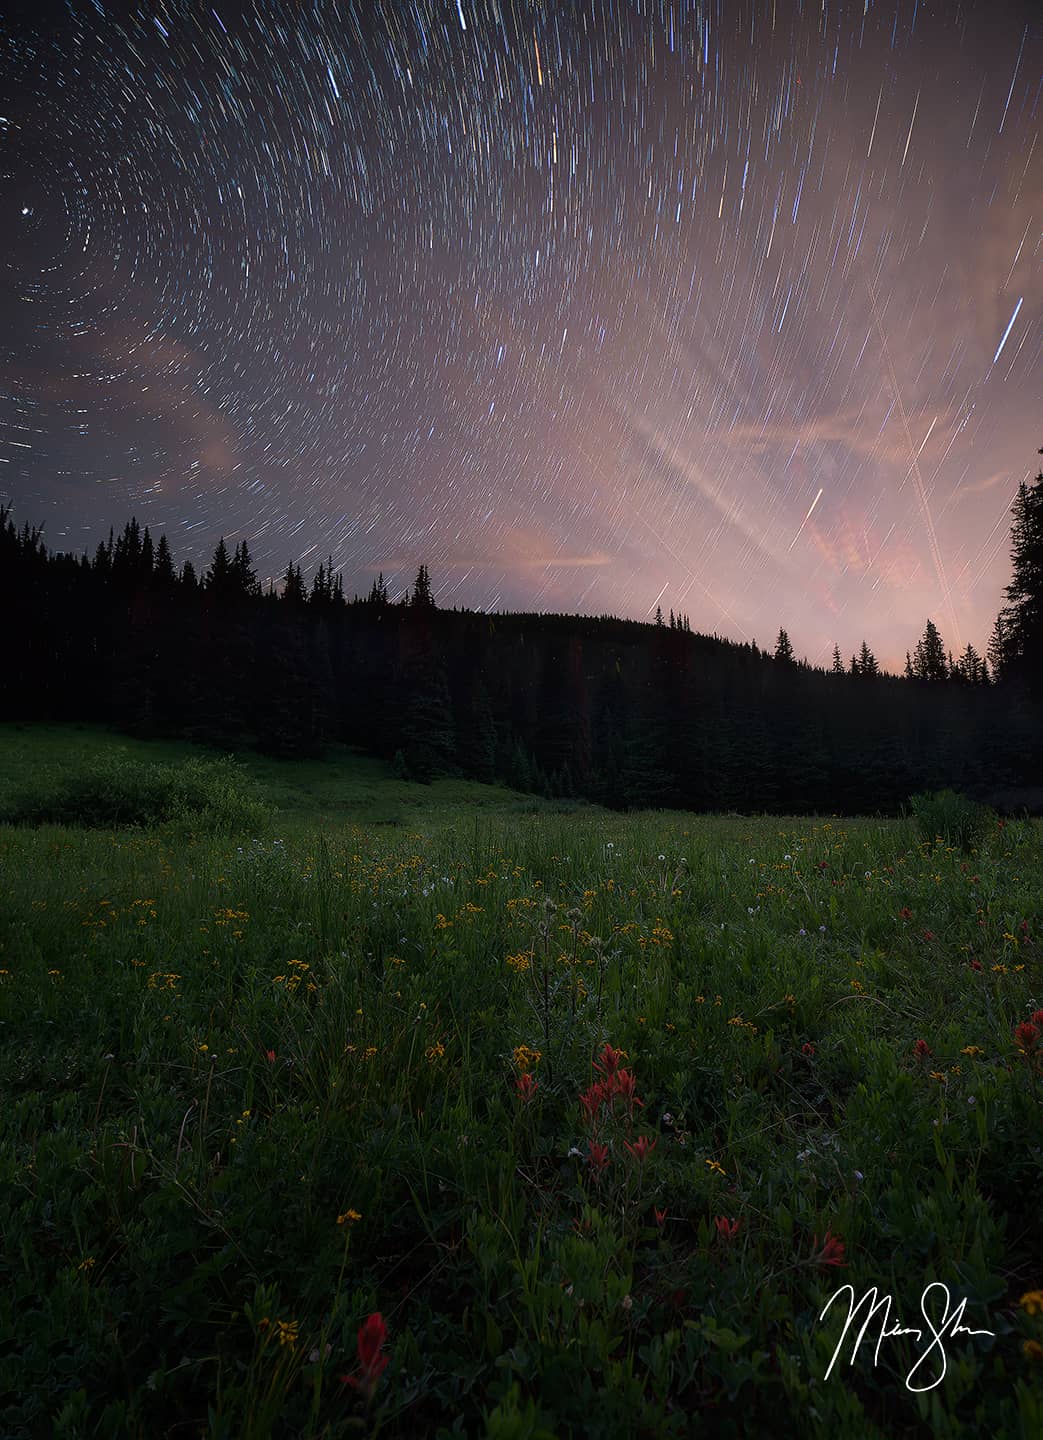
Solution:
(262, 1086)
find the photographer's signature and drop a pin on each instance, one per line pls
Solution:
(871, 1307)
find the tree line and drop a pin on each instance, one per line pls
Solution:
(617, 711)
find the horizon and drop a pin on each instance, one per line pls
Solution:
(733, 311)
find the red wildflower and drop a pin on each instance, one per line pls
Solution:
(608, 1062)
(1037, 1018)
(921, 1050)
(726, 1229)
(591, 1101)
(660, 1217)
(641, 1148)
(807, 1048)
(372, 1364)
(975, 964)
(269, 1055)
(598, 1156)
(905, 913)
(624, 1084)
(822, 865)
(928, 934)
(832, 1252)
(526, 1085)
(1027, 1035)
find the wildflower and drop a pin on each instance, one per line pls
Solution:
(287, 1332)
(972, 1050)
(526, 1085)
(1032, 1302)
(627, 1302)
(716, 1167)
(1027, 1035)
(726, 1229)
(525, 1058)
(598, 1156)
(350, 1217)
(641, 1148)
(921, 1050)
(660, 1217)
(905, 913)
(608, 1061)
(269, 1055)
(808, 1049)
(372, 1364)
(832, 1252)
(1037, 1018)
(975, 964)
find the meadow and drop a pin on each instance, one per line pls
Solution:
(343, 1105)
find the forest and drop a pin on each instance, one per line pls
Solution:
(626, 714)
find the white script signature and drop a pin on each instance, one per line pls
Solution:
(948, 1325)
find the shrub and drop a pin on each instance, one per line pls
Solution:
(214, 795)
(955, 818)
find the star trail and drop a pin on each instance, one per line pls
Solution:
(733, 308)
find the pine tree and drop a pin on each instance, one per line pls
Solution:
(218, 578)
(164, 567)
(293, 586)
(672, 625)
(783, 649)
(971, 667)
(929, 658)
(422, 598)
(854, 665)
(909, 673)
(838, 664)
(244, 577)
(867, 665)
(659, 616)
(188, 576)
(1023, 615)
(998, 647)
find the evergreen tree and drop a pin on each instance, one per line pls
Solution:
(244, 577)
(838, 664)
(867, 665)
(422, 598)
(971, 667)
(164, 567)
(1023, 615)
(659, 616)
(188, 576)
(672, 625)
(293, 587)
(929, 658)
(783, 649)
(909, 674)
(854, 665)
(998, 647)
(218, 578)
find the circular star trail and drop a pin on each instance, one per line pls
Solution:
(733, 308)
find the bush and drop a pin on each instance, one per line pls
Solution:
(953, 818)
(213, 795)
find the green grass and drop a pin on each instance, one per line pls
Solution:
(214, 1047)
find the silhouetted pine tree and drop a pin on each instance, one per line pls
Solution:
(422, 599)
(783, 649)
(838, 664)
(867, 665)
(163, 573)
(293, 592)
(1023, 615)
(929, 661)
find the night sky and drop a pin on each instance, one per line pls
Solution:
(734, 307)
